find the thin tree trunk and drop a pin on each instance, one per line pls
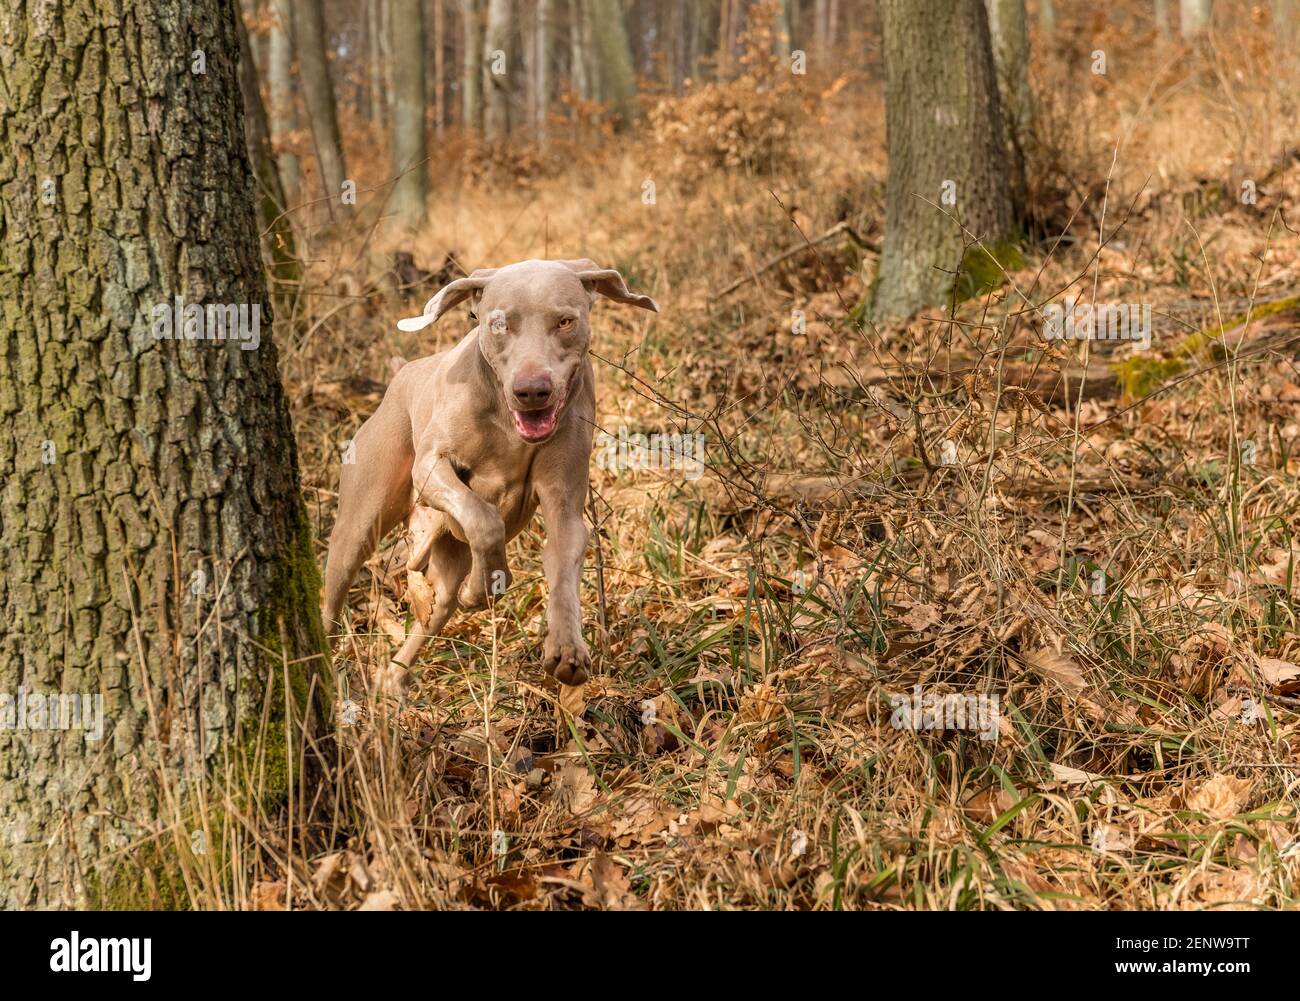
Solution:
(318, 93)
(1047, 16)
(471, 83)
(615, 59)
(578, 59)
(158, 551)
(284, 116)
(946, 150)
(821, 31)
(1194, 17)
(374, 29)
(496, 44)
(542, 66)
(273, 221)
(439, 68)
(407, 142)
(724, 39)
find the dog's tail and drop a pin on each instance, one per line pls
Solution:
(395, 363)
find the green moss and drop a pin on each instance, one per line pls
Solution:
(1141, 375)
(984, 266)
(292, 609)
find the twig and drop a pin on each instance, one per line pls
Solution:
(840, 227)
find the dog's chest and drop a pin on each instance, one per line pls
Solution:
(507, 491)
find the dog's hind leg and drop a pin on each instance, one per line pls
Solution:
(374, 496)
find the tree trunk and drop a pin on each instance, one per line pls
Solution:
(496, 45)
(439, 68)
(284, 118)
(1009, 32)
(471, 83)
(615, 59)
(1194, 17)
(158, 553)
(374, 31)
(821, 32)
(1047, 16)
(944, 137)
(1162, 17)
(273, 220)
(724, 39)
(1284, 34)
(318, 94)
(578, 57)
(407, 140)
(542, 67)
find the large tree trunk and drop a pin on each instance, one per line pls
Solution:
(284, 118)
(944, 137)
(615, 58)
(318, 94)
(407, 140)
(496, 46)
(1009, 32)
(273, 221)
(157, 551)
(471, 84)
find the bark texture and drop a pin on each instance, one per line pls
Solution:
(157, 552)
(944, 136)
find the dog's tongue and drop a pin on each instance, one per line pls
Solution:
(534, 425)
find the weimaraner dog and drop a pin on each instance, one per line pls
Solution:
(470, 441)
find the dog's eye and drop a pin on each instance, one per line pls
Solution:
(565, 323)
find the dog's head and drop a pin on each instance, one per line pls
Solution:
(533, 330)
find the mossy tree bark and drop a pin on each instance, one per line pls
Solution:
(157, 551)
(947, 158)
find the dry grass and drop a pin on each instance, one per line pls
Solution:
(736, 749)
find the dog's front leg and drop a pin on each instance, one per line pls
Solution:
(437, 485)
(565, 654)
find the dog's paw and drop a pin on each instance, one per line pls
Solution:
(392, 680)
(480, 584)
(567, 660)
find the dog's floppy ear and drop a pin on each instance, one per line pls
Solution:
(448, 296)
(609, 283)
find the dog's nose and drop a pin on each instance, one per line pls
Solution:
(533, 391)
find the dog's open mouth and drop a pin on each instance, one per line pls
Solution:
(537, 425)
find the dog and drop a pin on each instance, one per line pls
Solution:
(470, 442)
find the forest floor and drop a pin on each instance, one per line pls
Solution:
(1093, 543)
